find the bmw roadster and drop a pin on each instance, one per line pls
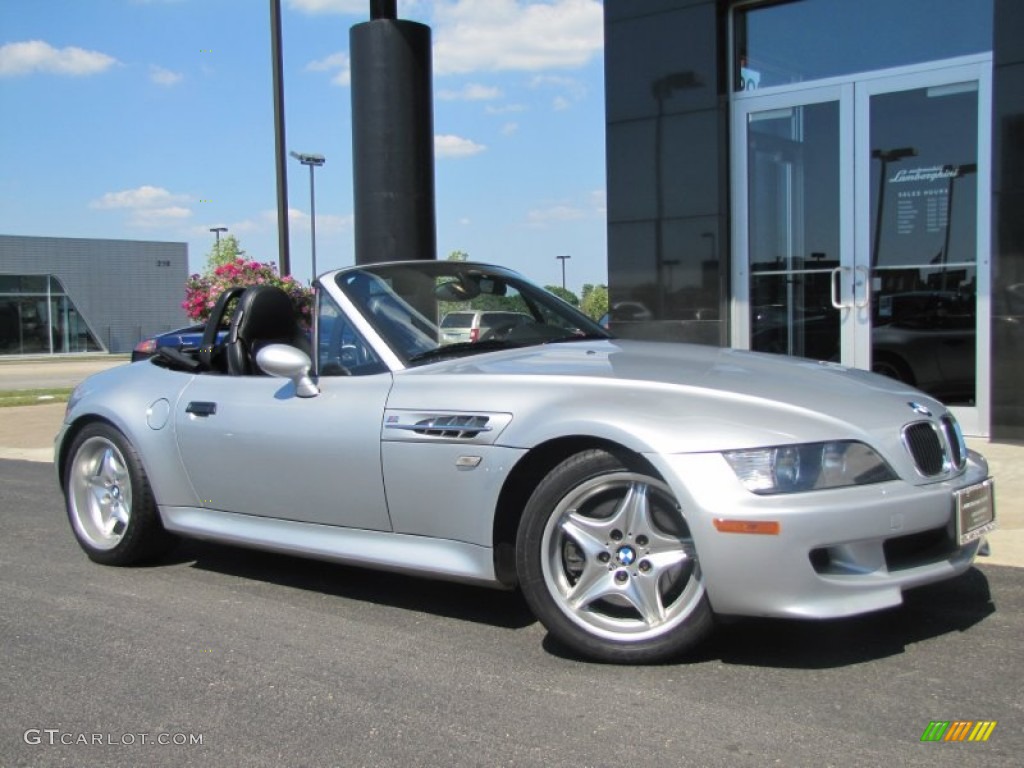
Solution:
(631, 490)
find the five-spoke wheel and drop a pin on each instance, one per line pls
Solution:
(608, 564)
(109, 501)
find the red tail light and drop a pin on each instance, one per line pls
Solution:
(474, 334)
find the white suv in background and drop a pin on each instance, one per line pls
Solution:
(474, 325)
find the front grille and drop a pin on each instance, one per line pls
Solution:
(956, 446)
(925, 446)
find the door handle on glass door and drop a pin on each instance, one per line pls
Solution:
(867, 289)
(836, 287)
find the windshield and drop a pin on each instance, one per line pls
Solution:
(431, 310)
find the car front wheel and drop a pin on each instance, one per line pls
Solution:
(109, 501)
(607, 562)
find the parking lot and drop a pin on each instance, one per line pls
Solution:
(274, 661)
(220, 656)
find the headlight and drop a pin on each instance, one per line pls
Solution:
(808, 467)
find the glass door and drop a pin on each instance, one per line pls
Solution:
(858, 217)
(923, 309)
(797, 238)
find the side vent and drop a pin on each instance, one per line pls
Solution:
(452, 426)
(481, 428)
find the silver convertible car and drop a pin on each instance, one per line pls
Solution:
(631, 490)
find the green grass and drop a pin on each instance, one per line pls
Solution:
(12, 397)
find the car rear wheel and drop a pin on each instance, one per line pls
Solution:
(607, 562)
(109, 500)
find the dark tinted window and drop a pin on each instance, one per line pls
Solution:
(813, 39)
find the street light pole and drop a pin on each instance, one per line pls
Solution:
(280, 162)
(216, 231)
(562, 259)
(312, 161)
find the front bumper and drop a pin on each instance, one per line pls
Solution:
(838, 552)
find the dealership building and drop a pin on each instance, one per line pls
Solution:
(66, 295)
(834, 179)
(825, 178)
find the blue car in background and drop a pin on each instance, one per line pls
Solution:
(186, 339)
(182, 339)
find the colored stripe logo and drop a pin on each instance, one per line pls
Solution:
(958, 730)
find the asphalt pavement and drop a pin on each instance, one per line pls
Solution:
(217, 656)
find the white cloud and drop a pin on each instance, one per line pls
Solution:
(588, 206)
(504, 109)
(331, 224)
(165, 77)
(554, 214)
(313, 7)
(488, 35)
(336, 61)
(407, 8)
(571, 89)
(447, 145)
(37, 56)
(158, 217)
(145, 196)
(326, 223)
(509, 129)
(493, 35)
(471, 92)
(147, 205)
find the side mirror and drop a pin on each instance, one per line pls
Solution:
(288, 362)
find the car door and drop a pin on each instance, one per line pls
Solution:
(251, 446)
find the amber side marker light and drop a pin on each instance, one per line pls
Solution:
(763, 527)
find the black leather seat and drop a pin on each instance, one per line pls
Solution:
(265, 315)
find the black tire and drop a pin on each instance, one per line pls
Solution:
(109, 501)
(607, 564)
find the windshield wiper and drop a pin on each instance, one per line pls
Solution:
(463, 348)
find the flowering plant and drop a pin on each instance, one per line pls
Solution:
(202, 291)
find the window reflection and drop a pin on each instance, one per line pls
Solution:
(924, 238)
(342, 350)
(793, 229)
(785, 43)
(37, 317)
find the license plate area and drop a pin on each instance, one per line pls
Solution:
(975, 511)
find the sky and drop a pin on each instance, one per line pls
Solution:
(153, 120)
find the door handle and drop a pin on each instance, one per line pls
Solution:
(200, 408)
(836, 288)
(867, 289)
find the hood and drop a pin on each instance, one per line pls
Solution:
(731, 393)
(797, 381)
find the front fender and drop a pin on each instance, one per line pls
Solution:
(138, 400)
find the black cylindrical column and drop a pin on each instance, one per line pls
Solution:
(392, 138)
